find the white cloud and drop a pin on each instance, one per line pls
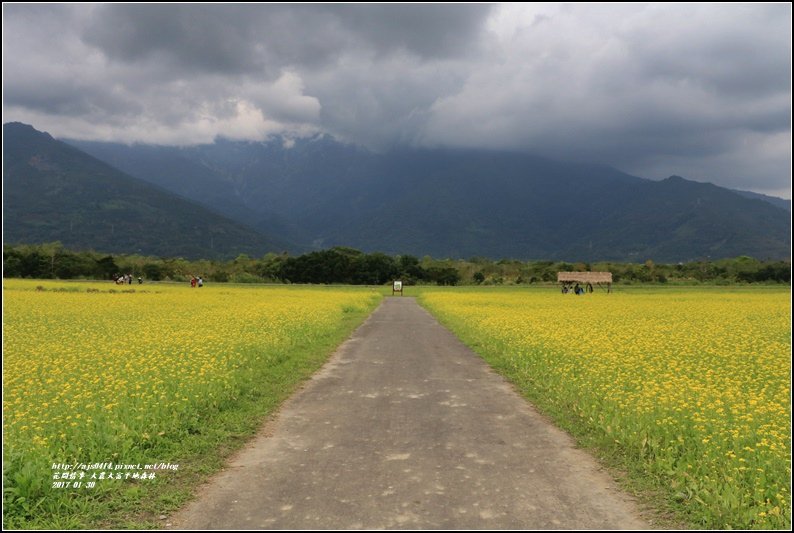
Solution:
(285, 99)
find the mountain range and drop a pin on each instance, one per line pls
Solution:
(55, 192)
(318, 193)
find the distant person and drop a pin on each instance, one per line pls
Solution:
(140, 280)
(200, 282)
(192, 281)
(577, 289)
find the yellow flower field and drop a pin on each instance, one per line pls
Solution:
(94, 372)
(688, 389)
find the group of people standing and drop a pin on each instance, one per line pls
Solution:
(577, 289)
(196, 281)
(125, 279)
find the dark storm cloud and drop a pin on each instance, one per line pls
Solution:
(133, 33)
(728, 49)
(635, 87)
(72, 97)
(239, 38)
(429, 31)
(700, 90)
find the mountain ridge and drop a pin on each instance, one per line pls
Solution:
(455, 202)
(55, 192)
(440, 202)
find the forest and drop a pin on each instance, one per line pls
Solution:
(342, 265)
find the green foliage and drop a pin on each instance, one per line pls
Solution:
(221, 276)
(444, 275)
(106, 267)
(350, 266)
(153, 271)
(245, 277)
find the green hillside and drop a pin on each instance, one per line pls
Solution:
(460, 203)
(55, 192)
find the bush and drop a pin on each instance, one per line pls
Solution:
(245, 277)
(220, 276)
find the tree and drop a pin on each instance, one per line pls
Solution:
(12, 263)
(106, 267)
(152, 271)
(269, 267)
(73, 265)
(51, 250)
(410, 269)
(444, 275)
(375, 269)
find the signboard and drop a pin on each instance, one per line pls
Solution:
(397, 287)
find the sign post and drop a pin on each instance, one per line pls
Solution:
(397, 287)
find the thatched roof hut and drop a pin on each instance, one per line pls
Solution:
(567, 279)
(584, 277)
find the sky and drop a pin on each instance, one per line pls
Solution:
(697, 90)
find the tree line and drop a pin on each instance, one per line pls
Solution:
(349, 266)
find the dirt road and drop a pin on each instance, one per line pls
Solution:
(406, 428)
